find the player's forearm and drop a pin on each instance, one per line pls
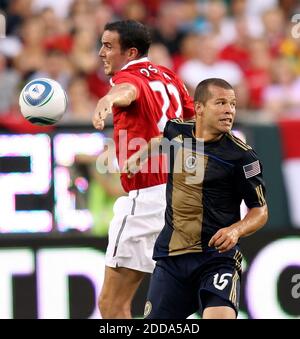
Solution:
(255, 219)
(122, 95)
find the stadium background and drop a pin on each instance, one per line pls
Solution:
(54, 207)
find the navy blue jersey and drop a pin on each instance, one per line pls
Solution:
(198, 205)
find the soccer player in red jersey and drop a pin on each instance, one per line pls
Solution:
(143, 97)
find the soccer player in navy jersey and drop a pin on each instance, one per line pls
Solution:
(198, 261)
(143, 97)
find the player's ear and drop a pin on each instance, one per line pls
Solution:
(198, 108)
(133, 53)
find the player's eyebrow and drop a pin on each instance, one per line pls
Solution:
(226, 99)
(106, 43)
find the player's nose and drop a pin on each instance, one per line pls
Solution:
(101, 53)
(229, 108)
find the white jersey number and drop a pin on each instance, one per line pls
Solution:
(166, 92)
(221, 283)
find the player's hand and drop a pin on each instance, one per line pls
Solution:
(132, 165)
(103, 108)
(225, 239)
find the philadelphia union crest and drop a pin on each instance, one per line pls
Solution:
(190, 162)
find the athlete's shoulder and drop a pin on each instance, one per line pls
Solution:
(177, 126)
(166, 70)
(140, 68)
(125, 74)
(242, 152)
(237, 143)
(179, 121)
(170, 75)
(155, 71)
(130, 76)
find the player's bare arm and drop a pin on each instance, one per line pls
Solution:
(121, 95)
(227, 237)
(134, 163)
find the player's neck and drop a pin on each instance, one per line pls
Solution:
(202, 133)
(199, 128)
(210, 137)
(198, 132)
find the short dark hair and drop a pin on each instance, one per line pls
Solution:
(132, 34)
(202, 93)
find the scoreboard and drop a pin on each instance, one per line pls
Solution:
(35, 177)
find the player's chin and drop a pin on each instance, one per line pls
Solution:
(225, 129)
(107, 70)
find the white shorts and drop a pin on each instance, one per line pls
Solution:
(138, 219)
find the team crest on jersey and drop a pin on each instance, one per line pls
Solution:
(190, 162)
(148, 309)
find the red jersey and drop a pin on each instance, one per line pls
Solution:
(161, 96)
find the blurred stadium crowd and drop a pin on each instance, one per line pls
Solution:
(253, 44)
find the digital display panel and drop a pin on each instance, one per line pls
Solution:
(35, 177)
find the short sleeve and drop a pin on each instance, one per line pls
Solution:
(250, 182)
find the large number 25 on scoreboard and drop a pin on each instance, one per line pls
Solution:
(38, 177)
